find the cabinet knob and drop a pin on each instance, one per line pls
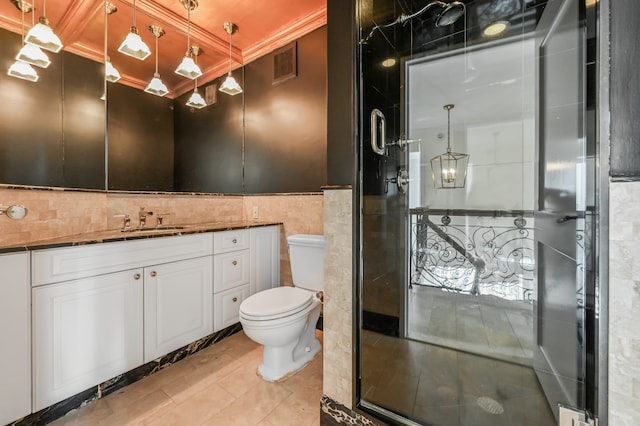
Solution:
(154, 273)
(235, 262)
(136, 276)
(234, 241)
(235, 299)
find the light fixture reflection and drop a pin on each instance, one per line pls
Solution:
(133, 45)
(33, 55)
(42, 35)
(196, 100)
(23, 70)
(230, 86)
(188, 68)
(111, 74)
(156, 86)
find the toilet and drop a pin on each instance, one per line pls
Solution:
(283, 319)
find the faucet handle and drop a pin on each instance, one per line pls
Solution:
(127, 220)
(160, 218)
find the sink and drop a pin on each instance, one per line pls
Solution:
(161, 228)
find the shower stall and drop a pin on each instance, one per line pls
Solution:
(478, 198)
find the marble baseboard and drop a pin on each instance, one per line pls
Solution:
(53, 412)
(333, 413)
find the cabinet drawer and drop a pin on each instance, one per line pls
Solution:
(230, 270)
(227, 306)
(227, 241)
(63, 264)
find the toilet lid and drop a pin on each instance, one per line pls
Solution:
(276, 302)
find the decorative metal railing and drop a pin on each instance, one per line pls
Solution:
(476, 252)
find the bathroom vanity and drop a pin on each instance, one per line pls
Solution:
(96, 311)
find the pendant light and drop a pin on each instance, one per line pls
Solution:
(449, 170)
(196, 100)
(188, 68)
(21, 69)
(110, 72)
(133, 44)
(230, 86)
(30, 53)
(156, 86)
(42, 35)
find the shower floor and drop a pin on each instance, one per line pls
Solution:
(482, 325)
(440, 386)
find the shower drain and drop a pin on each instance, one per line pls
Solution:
(490, 405)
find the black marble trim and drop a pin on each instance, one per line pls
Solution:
(333, 413)
(53, 412)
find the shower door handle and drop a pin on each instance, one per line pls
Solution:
(378, 127)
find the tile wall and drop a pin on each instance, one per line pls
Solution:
(624, 304)
(54, 213)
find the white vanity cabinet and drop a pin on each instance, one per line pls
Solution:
(15, 332)
(177, 305)
(85, 331)
(103, 309)
(231, 266)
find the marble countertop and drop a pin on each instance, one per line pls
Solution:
(112, 235)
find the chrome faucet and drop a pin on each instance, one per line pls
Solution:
(142, 215)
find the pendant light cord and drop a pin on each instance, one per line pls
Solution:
(22, 29)
(44, 10)
(189, 27)
(230, 33)
(134, 13)
(448, 130)
(156, 53)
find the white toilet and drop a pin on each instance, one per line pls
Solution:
(283, 319)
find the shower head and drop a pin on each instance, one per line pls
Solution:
(450, 13)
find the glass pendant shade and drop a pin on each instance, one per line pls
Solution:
(33, 55)
(156, 86)
(449, 170)
(111, 73)
(134, 46)
(196, 100)
(188, 68)
(42, 35)
(23, 70)
(230, 86)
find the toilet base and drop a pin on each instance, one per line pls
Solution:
(280, 361)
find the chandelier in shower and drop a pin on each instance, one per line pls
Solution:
(449, 170)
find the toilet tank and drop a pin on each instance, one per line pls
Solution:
(307, 260)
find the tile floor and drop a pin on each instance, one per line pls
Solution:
(441, 386)
(216, 386)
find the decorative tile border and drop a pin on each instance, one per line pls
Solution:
(332, 413)
(60, 409)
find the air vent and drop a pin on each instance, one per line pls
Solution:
(285, 63)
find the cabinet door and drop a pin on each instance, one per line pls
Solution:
(178, 306)
(265, 258)
(230, 270)
(227, 306)
(15, 330)
(85, 332)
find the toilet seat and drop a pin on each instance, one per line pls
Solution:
(274, 303)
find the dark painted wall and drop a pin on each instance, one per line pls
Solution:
(341, 77)
(140, 140)
(52, 131)
(625, 89)
(286, 123)
(208, 143)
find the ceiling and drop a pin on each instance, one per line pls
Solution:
(262, 27)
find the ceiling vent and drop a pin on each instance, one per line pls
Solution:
(285, 63)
